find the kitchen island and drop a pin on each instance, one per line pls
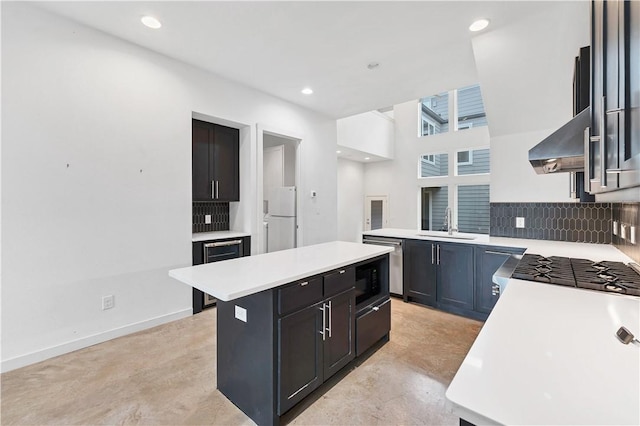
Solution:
(288, 321)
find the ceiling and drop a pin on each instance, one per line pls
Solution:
(281, 47)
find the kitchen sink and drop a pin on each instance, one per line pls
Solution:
(445, 235)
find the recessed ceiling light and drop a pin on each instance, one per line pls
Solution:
(479, 25)
(373, 65)
(367, 158)
(338, 152)
(307, 91)
(151, 22)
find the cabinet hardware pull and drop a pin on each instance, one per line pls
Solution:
(324, 321)
(304, 283)
(432, 254)
(217, 192)
(438, 255)
(498, 252)
(223, 243)
(603, 144)
(615, 111)
(329, 318)
(587, 160)
(375, 308)
(342, 271)
(213, 189)
(615, 171)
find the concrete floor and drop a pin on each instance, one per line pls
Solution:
(166, 375)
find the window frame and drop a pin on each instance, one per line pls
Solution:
(469, 162)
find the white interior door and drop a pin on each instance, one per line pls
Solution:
(375, 212)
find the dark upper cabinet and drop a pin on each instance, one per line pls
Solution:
(455, 275)
(615, 115)
(419, 269)
(215, 162)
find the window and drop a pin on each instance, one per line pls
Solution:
(433, 165)
(470, 108)
(464, 158)
(473, 209)
(435, 200)
(434, 114)
(472, 162)
(434, 111)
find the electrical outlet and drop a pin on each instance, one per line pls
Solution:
(632, 234)
(207, 219)
(241, 313)
(314, 194)
(615, 227)
(107, 302)
(519, 222)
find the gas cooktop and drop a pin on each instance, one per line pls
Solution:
(615, 277)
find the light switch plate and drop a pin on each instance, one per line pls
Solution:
(519, 222)
(615, 227)
(207, 219)
(241, 313)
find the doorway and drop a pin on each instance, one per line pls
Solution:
(375, 212)
(279, 204)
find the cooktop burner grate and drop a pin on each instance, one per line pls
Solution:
(607, 276)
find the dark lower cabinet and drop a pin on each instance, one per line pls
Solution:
(339, 335)
(488, 261)
(419, 269)
(455, 275)
(301, 352)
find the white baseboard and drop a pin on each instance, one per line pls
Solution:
(84, 342)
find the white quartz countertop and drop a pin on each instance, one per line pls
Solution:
(217, 235)
(549, 355)
(243, 276)
(595, 252)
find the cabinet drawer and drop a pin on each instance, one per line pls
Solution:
(339, 281)
(299, 295)
(372, 326)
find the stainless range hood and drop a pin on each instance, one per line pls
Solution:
(563, 150)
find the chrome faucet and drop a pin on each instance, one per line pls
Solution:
(448, 221)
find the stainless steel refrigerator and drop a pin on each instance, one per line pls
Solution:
(281, 218)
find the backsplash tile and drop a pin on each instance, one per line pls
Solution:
(577, 222)
(219, 216)
(628, 214)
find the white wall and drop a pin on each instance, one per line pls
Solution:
(369, 132)
(109, 109)
(525, 70)
(399, 178)
(350, 200)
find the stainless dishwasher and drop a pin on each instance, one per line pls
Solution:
(395, 261)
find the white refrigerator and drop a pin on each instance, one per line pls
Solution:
(281, 218)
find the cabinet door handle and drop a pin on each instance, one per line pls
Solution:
(587, 159)
(433, 255)
(603, 144)
(217, 192)
(375, 308)
(329, 305)
(342, 271)
(213, 189)
(615, 111)
(304, 283)
(438, 255)
(324, 321)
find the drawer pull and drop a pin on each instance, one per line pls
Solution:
(304, 283)
(376, 308)
(342, 271)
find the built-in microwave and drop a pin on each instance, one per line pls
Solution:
(367, 282)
